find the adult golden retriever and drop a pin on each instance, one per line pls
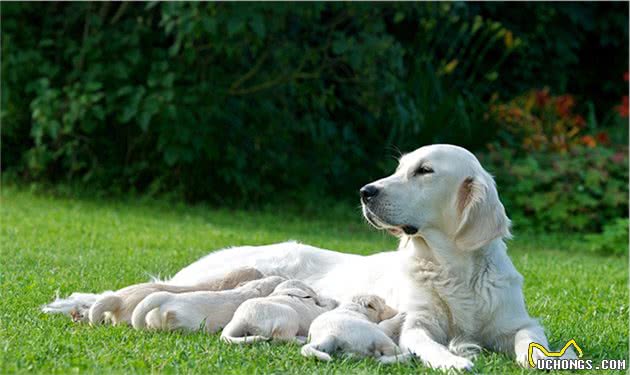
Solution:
(451, 274)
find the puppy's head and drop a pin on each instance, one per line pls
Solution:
(440, 188)
(295, 284)
(298, 289)
(239, 277)
(263, 286)
(375, 307)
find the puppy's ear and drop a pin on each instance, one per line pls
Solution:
(298, 293)
(482, 217)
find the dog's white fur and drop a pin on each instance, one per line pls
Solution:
(461, 226)
(196, 310)
(285, 315)
(351, 328)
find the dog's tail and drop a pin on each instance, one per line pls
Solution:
(77, 306)
(151, 302)
(107, 303)
(319, 350)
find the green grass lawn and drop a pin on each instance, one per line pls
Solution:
(51, 245)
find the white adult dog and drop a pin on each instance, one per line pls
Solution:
(445, 208)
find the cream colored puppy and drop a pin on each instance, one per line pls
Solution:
(352, 329)
(285, 315)
(210, 311)
(116, 307)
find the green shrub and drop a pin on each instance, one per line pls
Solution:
(580, 190)
(612, 240)
(538, 121)
(236, 103)
(563, 45)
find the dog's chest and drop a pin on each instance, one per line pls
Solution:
(463, 298)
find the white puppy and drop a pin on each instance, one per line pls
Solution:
(117, 307)
(192, 311)
(285, 315)
(352, 329)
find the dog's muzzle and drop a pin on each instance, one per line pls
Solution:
(379, 223)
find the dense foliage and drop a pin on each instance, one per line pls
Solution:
(580, 190)
(229, 101)
(559, 171)
(238, 102)
(573, 47)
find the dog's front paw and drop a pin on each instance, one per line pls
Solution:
(524, 360)
(441, 359)
(449, 362)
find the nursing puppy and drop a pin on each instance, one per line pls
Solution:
(193, 311)
(352, 328)
(118, 306)
(285, 315)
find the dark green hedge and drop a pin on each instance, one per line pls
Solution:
(235, 102)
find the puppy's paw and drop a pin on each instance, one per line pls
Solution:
(163, 320)
(168, 312)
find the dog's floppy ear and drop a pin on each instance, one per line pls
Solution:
(482, 217)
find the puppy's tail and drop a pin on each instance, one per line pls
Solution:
(107, 303)
(152, 301)
(318, 350)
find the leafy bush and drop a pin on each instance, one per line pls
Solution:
(612, 240)
(536, 121)
(582, 189)
(563, 45)
(553, 174)
(237, 102)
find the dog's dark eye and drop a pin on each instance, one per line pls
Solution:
(423, 169)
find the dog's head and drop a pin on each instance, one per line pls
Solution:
(374, 307)
(438, 187)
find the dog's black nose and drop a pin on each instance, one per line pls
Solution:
(368, 192)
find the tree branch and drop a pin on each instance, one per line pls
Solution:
(236, 84)
(119, 13)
